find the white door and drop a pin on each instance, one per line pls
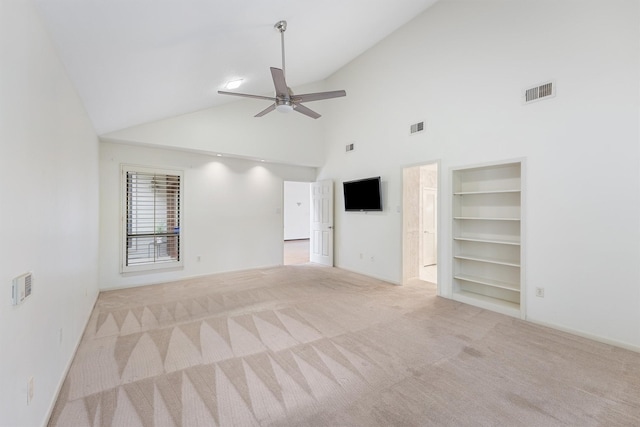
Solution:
(428, 227)
(321, 250)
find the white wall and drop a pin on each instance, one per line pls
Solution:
(297, 210)
(49, 216)
(461, 66)
(231, 129)
(232, 212)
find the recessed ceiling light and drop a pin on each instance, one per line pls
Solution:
(234, 84)
(219, 155)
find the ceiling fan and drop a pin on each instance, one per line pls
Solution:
(285, 100)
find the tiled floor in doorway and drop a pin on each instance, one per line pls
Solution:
(296, 251)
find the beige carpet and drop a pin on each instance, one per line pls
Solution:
(315, 346)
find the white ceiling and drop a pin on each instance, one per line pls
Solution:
(135, 61)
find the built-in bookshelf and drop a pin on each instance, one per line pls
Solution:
(487, 268)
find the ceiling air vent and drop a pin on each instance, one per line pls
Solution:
(349, 147)
(417, 127)
(540, 92)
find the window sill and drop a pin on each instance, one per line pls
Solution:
(151, 268)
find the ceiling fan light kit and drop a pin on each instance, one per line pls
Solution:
(285, 101)
(284, 106)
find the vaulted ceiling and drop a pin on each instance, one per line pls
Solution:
(136, 61)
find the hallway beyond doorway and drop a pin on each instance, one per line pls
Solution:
(420, 223)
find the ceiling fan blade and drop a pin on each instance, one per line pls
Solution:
(279, 82)
(268, 98)
(269, 109)
(307, 97)
(306, 111)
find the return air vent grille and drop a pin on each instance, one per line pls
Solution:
(21, 288)
(27, 285)
(349, 147)
(417, 127)
(537, 93)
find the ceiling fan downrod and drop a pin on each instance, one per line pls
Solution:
(282, 27)
(284, 100)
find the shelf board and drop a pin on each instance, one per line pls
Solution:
(494, 304)
(466, 193)
(485, 219)
(488, 282)
(487, 260)
(498, 242)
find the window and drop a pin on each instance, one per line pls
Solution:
(152, 215)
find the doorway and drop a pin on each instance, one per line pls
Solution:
(296, 213)
(420, 224)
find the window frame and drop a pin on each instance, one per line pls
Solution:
(154, 265)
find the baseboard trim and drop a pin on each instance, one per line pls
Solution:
(583, 334)
(178, 279)
(373, 276)
(52, 405)
(198, 276)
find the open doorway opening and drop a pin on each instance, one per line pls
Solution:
(419, 224)
(296, 201)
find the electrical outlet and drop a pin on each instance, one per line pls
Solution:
(29, 390)
(540, 292)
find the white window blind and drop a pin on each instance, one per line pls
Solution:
(152, 216)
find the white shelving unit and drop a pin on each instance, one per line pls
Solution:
(487, 269)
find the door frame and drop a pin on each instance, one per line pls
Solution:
(282, 211)
(433, 191)
(439, 216)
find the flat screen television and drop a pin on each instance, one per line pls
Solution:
(362, 195)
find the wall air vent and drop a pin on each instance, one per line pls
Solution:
(21, 288)
(540, 92)
(349, 147)
(417, 127)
